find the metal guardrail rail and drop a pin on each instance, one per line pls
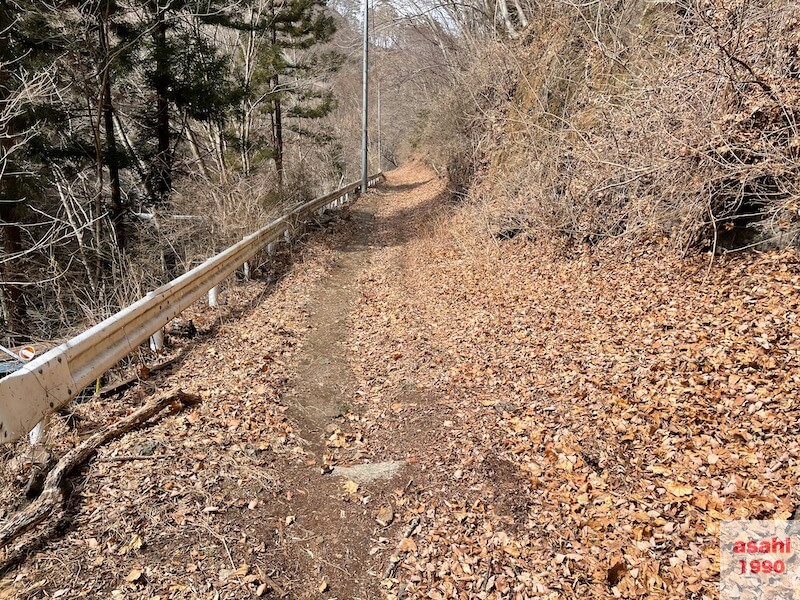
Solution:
(54, 379)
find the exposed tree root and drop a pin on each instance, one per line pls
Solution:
(53, 492)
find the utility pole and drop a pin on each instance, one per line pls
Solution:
(380, 132)
(364, 101)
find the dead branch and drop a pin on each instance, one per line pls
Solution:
(394, 559)
(121, 386)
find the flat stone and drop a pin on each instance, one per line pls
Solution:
(369, 471)
(505, 407)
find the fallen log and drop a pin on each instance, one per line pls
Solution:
(53, 490)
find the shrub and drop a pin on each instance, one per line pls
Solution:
(668, 120)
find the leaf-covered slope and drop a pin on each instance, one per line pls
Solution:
(597, 416)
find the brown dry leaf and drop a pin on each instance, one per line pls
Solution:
(351, 487)
(678, 490)
(407, 545)
(615, 573)
(135, 543)
(134, 575)
(659, 470)
(241, 571)
(385, 516)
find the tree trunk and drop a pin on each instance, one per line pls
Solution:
(277, 119)
(162, 166)
(217, 139)
(523, 20)
(278, 136)
(198, 156)
(10, 233)
(246, 121)
(15, 313)
(96, 267)
(117, 208)
(503, 6)
(138, 164)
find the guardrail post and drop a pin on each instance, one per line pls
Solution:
(212, 297)
(157, 341)
(37, 434)
(246, 267)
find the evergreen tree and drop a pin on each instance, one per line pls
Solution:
(99, 101)
(187, 74)
(282, 76)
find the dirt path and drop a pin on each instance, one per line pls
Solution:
(324, 383)
(334, 533)
(345, 511)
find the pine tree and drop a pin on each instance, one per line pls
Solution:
(281, 73)
(189, 79)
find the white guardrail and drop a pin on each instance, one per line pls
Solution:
(51, 381)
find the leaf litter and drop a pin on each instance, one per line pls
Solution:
(595, 417)
(571, 426)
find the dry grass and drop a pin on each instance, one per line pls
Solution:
(670, 121)
(203, 218)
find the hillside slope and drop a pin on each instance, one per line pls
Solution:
(590, 420)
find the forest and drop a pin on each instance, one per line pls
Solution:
(140, 138)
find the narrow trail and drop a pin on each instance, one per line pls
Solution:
(266, 487)
(324, 382)
(335, 533)
(340, 537)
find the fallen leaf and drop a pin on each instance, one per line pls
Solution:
(134, 575)
(615, 573)
(678, 490)
(385, 516)
(133, 544)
